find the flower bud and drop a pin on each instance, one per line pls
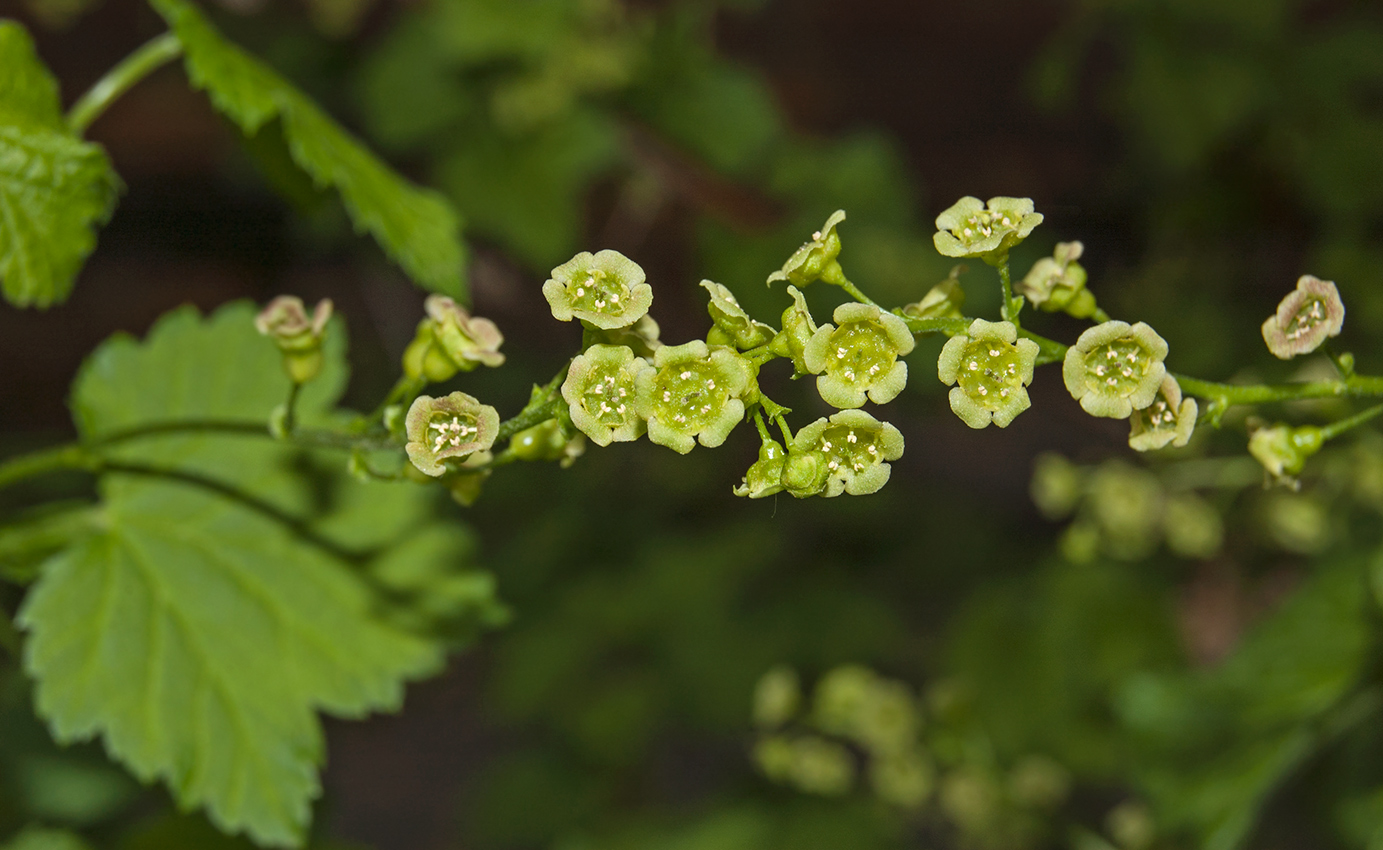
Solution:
(943, 301)
(765, 476)
(735, 327)
(798, 329)
(1057, 283)
(285, 321)
(1283, 450)
(816, 260)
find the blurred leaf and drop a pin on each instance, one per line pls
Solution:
(55, 189)
(418, 229)
(199, 636)
(407, 90)
(37, 838)
(33, 536)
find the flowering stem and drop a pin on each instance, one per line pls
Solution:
(1227, 395)
(120, 79)
(1007, 309)
(290, 419)
(1099, 317)
(1335, 429)
(764, 436)
(855, 293)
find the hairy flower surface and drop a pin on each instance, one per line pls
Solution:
(853, 448)
(600, 388)
(451, 427)
(974, 228)
(606, 289)
(285, 321)
(1057, 282)
(990, 369)
(943, 301)
(1115, 368)
(765, 475)
(816, 260)
(451, 340)
(1169, 419)
(1305, 318)
(859, 358)
(694, 393)
(733, 326)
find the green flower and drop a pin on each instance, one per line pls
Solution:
(943, 301)
(448, 428)
(1305, 318)
(847, 452)
(299, 339)
(694, 393)
(600, 388)
(992, 368)
(805, 473)
(860, 357)
(1057, 283)
(606, 289)
(451, 340)
(733, 326)
(1283, 450)
(1114, 369)
(777, 697)
(798, 329)
(816, 260)
(972, 228)
(1169, 419)
(765, 475)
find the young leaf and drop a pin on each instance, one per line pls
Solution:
(416, 227)
(55, 189)
(199, 633)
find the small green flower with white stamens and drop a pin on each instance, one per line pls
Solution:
(449, 428)
(765, 475)
(695, 392)
(1305, 318)
(798, 329)
(733, 326)
(1115, 369)
(850, 450)
(859, 357)
(990, 369)
(1057, 283)
(600, 388)
(974, 228)
(1169, 419)
(943, 301)
(605, 289)
(816, 260)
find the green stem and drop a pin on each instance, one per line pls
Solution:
(1335, 429)
(290, 418)
(120, 79)
(527, 418)
(759, 425)
(787, 432)
(1006, 309)
(60, 458)
(404, 387)
(1356, 386)
(855, 293)
(1099, 317)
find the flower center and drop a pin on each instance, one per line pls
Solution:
(1118, 367)
(449, 432)
(596, 291)
(849, 450)
(862, 353)
(990, 372)
(689, 396)
(1310, 316)
(609, 397)
(1160, 414)
(984, 224)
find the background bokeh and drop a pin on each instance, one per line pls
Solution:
(1076, 683)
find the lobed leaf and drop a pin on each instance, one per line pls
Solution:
(415, 226)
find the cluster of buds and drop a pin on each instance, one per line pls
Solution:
(298, 337)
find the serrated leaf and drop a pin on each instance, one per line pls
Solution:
(415, 226)
(55, 189)
(195, 634)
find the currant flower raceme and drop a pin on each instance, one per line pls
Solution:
(451, 340)
(989, 369)
(973, 228)
(858, 356)
(765, 475)
(1114, 368)
(606, 290)
(1305, 318)
(600, 389)
(733, 326)
(299, 339)
(798, 329)
(816, 260)
(943, 301)
(1283, 450)
(1169, 419)
(695, 393)
(1057, 283)
(449, 428)
(849, 452)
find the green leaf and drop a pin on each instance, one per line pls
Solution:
(55, 189)
(196, 633)
(36, 838)
(415, 226)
